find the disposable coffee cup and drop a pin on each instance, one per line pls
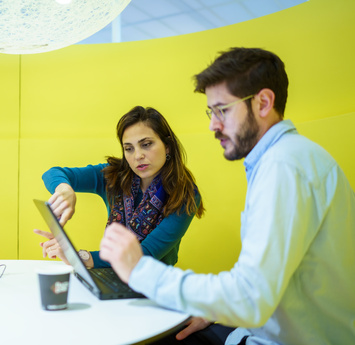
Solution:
(54, 287)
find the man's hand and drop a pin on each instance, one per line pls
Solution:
(195, 324)
(121, 249)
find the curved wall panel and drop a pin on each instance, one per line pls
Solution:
(71, 100)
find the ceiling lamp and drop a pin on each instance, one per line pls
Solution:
(37, 26)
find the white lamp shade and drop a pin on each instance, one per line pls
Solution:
(37, 26)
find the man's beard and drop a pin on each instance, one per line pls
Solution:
(245, 140)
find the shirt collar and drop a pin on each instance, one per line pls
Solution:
(267, 140)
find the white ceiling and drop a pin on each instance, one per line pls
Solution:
(147, 19)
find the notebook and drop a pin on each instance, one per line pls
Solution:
(102, 282)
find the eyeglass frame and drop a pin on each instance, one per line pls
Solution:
(221, 117)
(3, 270)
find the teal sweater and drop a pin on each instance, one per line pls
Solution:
(162, 243)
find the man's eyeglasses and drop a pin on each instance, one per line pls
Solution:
(2, 269)
(218, 110)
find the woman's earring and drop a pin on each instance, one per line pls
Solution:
(168, 157)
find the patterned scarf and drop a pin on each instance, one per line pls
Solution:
(147, 215)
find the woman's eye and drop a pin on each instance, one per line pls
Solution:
(147, 144)
(128, 149)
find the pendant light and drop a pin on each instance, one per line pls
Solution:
(37, 26)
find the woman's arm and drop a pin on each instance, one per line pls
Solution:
(63, 183)
(87, 179)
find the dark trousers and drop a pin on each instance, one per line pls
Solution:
(215, 334)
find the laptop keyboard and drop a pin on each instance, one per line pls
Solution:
(110, 278)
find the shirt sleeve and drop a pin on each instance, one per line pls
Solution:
(274, 241)
(87, 179)
(168, 233)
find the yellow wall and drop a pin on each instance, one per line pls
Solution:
(71, 100)
(9, 137)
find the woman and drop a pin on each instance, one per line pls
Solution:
(149, 189)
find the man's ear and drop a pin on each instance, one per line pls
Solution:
(266, 101)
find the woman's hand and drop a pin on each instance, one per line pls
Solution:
(63, 202)
(51, 247)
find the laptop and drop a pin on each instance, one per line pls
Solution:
(102, 282)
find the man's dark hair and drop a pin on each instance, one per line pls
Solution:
(246, 71)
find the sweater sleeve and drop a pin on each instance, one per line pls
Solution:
(87, 179)
(98, 262)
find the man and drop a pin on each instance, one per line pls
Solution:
(294, 280)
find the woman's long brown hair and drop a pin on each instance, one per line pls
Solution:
(178, 181)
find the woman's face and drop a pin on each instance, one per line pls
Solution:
(144, 152)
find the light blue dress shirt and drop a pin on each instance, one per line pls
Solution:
(294, 281)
